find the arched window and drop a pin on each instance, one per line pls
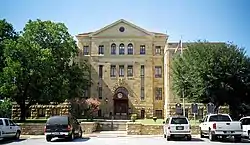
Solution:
(130, 48)
(122, 49)
(113, 49)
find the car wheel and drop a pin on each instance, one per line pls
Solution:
(211, 136)
(249, 134)
(165, 136)
(201, 134)
(48, 138)
(72, 136)
(18, 133)
(237, 138)
(189, 138)
(168, 138)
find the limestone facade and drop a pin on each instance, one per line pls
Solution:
(123, 55)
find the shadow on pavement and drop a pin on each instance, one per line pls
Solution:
(75, 140)
(7, 141)
(193, 140)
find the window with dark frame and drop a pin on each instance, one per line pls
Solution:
(142, 70)
(113, 71)
(121, 71)
(130, 49)
(100, 71)
(100, 92)
(113, 49)
(130, 71)
(85, 50)
(121, 49)
(158, 50)
(159, 114)
(158, 71)
(101, 50)
(158, 93)
(142, 49)
(142, 93)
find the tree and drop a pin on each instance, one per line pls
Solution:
(5, 108)
(39, 65)
(92, 106)
(212, 72)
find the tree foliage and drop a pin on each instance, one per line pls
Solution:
(212, 72)
(40, 66)
(5, 108)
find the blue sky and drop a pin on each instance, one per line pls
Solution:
(213, 20)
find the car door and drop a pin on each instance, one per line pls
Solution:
(6, 128)
(13, 128)
(204, 124)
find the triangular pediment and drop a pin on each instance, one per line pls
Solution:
(121, 28)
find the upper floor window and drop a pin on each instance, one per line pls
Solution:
(121, 70)
(122, 49)
(100, 71)
(130, 48)
(158, 93)
(130, 71)
(85, 50)
(142, 70)
(112, 71)
(113, 49)
(158, 71)
(142, 49)
(158, 50)
(101, 49)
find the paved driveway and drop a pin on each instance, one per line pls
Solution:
(119, 141)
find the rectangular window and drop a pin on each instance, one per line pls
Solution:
(142, 70)
(158, 71)
(158, 50)
(130, 71)
(158, 114)
(112, 71)
(142, 49)
(121, 70)
(100, 92)
(142, 93)
(101, 50)
(100, 71)
(85, 50)
(158, 93)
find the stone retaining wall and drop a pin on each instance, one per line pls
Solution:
(135, 128)
(38, 128)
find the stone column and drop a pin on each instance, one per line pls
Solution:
(48, 111)
(15, 111)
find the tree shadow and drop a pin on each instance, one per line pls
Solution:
(193, 139)
(7, 141)
(84, 139)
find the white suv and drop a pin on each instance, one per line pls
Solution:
(177, 127)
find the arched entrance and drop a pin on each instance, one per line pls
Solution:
(121, 103)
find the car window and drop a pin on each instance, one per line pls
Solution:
(204, 119)
(179, 121)
(1, 122)
(220, 118)
(58, 120)
(6, 122)
(12, 123)
(245, 121)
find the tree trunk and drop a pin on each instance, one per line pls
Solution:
(216, 108)
(23, 110)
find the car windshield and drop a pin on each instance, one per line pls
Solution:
(58, 120)
(179, 121)
(219, 118)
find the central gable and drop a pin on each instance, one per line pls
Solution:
(121, 28)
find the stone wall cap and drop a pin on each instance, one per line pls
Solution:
(134, 123)
(87, 122)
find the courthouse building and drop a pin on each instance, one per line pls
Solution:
(129, 70)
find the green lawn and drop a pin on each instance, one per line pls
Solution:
(160, 121)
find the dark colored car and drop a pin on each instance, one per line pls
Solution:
(62, 127)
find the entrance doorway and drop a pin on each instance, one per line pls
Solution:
(121, 103)
(142, 114)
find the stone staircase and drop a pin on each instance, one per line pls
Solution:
(112, 125)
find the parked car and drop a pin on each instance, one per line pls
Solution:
(9, 129)
(215, 125)
(62, 127)
(245, 121)
(177, 127)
